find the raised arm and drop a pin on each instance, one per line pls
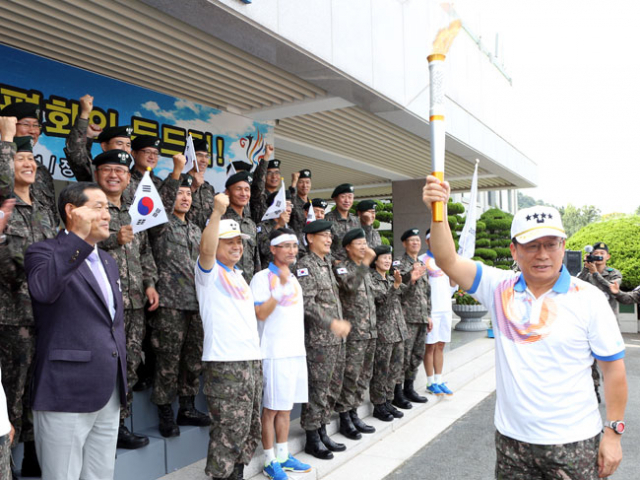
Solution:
(209, 241)
(460, 270)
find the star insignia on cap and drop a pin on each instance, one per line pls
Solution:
(528, 217)
(549, 216)
(535, 215)
(543, 215)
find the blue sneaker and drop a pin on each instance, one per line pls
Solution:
(444, 389)
(274, 471)
(294, 465)
(434, 389)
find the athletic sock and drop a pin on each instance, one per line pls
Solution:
(282, 450)
(269, 456)
(438, 378)
(429, 381)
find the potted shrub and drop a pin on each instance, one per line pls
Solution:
(470, 312)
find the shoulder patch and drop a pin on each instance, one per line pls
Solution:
(341, 271)
(396, 263)
(302, 272)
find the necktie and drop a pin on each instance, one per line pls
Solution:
(94, 261)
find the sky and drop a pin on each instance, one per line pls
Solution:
(576, 78)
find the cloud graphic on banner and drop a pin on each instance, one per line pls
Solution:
(188, 104)
(154, 108)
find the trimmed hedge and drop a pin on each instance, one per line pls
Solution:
(482, 242)
(486, 253)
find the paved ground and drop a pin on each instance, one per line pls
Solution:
(466, 449)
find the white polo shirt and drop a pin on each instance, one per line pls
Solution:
(228, 315)
(441, 290)
(544, 351)
(282, 333)
(5, 426)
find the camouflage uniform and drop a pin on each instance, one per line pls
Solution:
(264, 244)
(259, 194)
(28, 224)
(392, 333)
(358, 306)
(602, 281)
(298, 217)
(138, 272)
(325, 351)
(5, 457)
(250, 261)
(234, 397)
(201, 205)
(177, 335)
(517, 460)
(416, 308)
(78, 150)
(136, 178)
(372, 236)
(339, 228)
(629, 298)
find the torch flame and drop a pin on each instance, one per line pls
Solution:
(445, 37)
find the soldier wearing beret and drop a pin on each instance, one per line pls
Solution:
(177, 335)
(302, 182)
(137, 268)
(359, 309)
(366, 211)
(342, 219)
(202, 191)
(416, 308)
(145, 150)
(325, 330)
(388, 373)
(266, 180)
(29, 223)
(238, 189)
(319, 206)
(28, 124)
(265, 228)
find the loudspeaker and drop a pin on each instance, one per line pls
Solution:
(573, 261)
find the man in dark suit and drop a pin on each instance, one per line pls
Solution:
(80, 363)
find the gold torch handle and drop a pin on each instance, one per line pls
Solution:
(437, 208)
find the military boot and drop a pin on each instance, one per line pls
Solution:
(393, 410)
(316, 447)
(328, 442)
(347, 428)
(399, 399)
(238, 472)
(359, 424)
(188, 415)
(130, 440)
(411, 395)
(30, 465)
(381, 413)
(167, 425)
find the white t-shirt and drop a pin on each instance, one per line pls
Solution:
(544, 351)
(228, 315)
(5, 426)
(282, 333)
(441, 290)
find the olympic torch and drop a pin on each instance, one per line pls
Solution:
(441, 45)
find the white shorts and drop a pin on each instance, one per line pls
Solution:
(285, 382)
(441, 331)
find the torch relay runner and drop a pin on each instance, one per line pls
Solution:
(548, 328)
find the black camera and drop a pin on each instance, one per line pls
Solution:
(592, 258)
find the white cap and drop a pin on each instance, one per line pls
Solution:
(535, 222)
(230, 229)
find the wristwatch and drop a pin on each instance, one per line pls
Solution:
(616, 425)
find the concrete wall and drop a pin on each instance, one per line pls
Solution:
(408, 212)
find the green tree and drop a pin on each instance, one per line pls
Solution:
(574, 218)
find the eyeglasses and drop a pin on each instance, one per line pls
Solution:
(37, 126)
(288, 246)
(120, 171)
(273, 173)
(151, 153)
(550, 246)
(325, 234)
(203, 155)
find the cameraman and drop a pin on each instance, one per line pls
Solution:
(597, 273)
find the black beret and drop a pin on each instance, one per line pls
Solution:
(242, 176)
(319, 203)
(305, 173)
(21, 110)
(380, 250)
(275, 163)
(351, 235)
(240, 166)
(200, 145)
(412, 232)
(113, 132)
(601, 246)
(343, 188)
(24, 144)
(273, 195)
(144, 141)
(317, 226)
(366, 205)
(185, 180)
(118, 157)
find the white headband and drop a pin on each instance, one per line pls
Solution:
(286, 237)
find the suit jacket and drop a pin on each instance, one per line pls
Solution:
(80, 351)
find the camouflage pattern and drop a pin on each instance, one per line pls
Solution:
(264, 229)
(517, 460)
(358, 368)
(176, 337)
(298, 217)
(176, 246)
(234, 397)
(17, 348)
(5, 457)
(339, 228)
(134, 330)
(389, 318)
(321, 300)
(357, 299)
(372, 236)
(44, 191)
(414, 349)
(415, 300)
(325, 364)
(259, 194)
(250, 261)
(7, 152)
(136, 264)
(629, 298)
(201, 205)
(387, 371)
(602, 281)
(78, 150)
(136, 178)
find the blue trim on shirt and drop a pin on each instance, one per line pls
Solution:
(202, 269)
(520, 285)
(561, 286)
(273, 268)
(476, 280)
(223, 265)
(610, 358)
(429, 254)
(257, 303)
